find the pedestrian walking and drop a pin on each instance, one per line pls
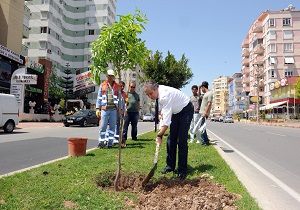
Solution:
(205, 108)
(195, 100)
(176, 113)
(132, 113)
(106, 105)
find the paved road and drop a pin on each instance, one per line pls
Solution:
(265, 158)
(35, 145)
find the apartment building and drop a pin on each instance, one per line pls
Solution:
(271, 53)
(236, 94)
(11, 33)
(61, 32)
(220, 95)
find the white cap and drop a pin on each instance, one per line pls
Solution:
(110, 72)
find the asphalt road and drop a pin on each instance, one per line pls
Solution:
(28, 147)
(265, 158)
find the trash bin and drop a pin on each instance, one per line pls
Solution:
(77, 146)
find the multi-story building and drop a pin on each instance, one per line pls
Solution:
(61, 32)
(235, 94)
(220, 95)
(271, 52)
(11, 33)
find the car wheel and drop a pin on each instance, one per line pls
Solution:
(84, 123)
(9, 126)
(66, 125)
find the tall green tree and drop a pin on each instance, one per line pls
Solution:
(168, 71)
(297, 89)
(119, 45)
(55, 91)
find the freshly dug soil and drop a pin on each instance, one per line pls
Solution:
(166, 193)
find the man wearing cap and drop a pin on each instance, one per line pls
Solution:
(177, 113)
(106, 105)
(205, 109)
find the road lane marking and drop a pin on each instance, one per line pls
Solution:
(51, 161)
(283, 186)
(278, 134)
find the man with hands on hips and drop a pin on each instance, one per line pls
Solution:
(177, 113)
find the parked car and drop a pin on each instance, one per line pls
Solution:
(9, 112)
(148, 117)
(82, 118)
(228, 119)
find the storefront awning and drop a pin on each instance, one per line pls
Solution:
(271, 106)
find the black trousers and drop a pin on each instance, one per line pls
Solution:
(178, 137)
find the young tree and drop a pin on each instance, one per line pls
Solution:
(55, 91)
(168, 71)
(297, 89)
(119, 45)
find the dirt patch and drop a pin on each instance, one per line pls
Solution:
(165, 193)
(70, 205)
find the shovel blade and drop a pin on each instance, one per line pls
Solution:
(150, 175)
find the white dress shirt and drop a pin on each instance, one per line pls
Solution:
(170, 101)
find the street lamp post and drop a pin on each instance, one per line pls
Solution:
(258, 75)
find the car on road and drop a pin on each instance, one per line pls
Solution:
(148, 117)
(228, 119)
(82, 118)
(9, 112)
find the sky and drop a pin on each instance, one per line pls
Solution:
(209, 33)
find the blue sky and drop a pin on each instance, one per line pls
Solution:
(209, 33)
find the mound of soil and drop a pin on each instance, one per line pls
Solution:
(172, 193)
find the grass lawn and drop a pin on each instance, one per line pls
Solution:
(71, 182)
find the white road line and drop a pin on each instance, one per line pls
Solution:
(278, 134)
(48, 162)
(283, 186)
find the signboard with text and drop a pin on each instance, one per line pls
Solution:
(24, 79)
(10, 54)
(83, 81)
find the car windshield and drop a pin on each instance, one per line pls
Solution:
(81, 113)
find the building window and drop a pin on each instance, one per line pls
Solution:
(287, 34)
(286, 21)
(288, 72)
(271, 60)
(49, 31)
(272, 34)
(91, 32)
(92, 7)
(272, 48)
(288, 47)
(43, 30)
(77, 71)
(289, 60)
(57, 36)
(272, 73)
(271, 22)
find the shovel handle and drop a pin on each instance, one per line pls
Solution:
(156, 153)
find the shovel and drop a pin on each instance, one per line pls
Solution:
(151, 173)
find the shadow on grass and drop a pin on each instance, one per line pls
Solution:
(135, 145)
(199, 169)
(90, 154)
(148, 140)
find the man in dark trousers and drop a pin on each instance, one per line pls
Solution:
(133, 107)
(176, 112)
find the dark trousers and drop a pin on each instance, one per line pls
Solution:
(204, 136)
(178, 137)
(133, 118)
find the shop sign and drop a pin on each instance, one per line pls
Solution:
(277, 84)
(17, 91)
(272, 86)
(254, 99)
(24, 79)
(10, 54)
(85, 91)
(35, 66)
(33, 89)
(283, 82)
(83, 81)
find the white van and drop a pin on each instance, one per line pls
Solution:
(9, 112)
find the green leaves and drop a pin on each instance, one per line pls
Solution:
(297, 89)
(119, 46)
(168, 71)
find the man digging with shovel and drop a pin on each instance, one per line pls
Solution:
(177, 113)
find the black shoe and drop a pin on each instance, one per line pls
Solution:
(101, 144)
(205, 143)
(109, 147)
(134, 139)
(182, 176)
(166, 170)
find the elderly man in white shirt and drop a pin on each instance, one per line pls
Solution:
(177, 113)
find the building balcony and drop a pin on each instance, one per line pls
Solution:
(24, 50)
(259, 49)
(245, 61)
(25, 32)
(245, 52)
(257, 28)
(245, 43)
(245, 69)
(26, 12)
(258, 61)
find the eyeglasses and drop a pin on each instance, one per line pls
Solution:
(132, 86)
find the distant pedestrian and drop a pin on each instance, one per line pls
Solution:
(106, 105)
(195, 101)
(205, 108)
(176, 112)
(132, 114)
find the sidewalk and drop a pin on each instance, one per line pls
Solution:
(289, 123)
(22, 125)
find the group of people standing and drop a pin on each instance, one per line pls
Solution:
(176, 109)
(110, 107)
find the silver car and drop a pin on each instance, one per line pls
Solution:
(228, 119)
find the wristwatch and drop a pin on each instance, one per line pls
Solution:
(160, 136)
